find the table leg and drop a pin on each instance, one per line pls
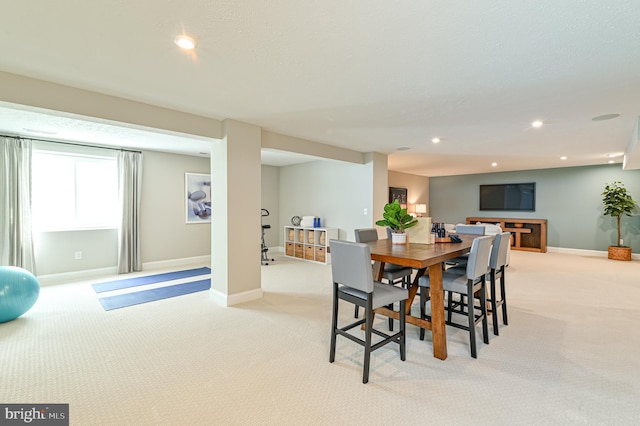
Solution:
(378, 270)
(438, 325)
(413, 289)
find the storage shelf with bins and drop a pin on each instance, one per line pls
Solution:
(310, 244)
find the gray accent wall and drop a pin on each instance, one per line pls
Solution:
(569, 198)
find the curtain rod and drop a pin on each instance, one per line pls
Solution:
(71, 143)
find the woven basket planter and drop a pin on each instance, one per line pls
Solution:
(619, 253)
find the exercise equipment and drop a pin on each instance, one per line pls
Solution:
(265, 249)
(149, 279)
(19, 290)
(138, 297)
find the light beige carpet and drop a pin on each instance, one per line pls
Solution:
(570, 355)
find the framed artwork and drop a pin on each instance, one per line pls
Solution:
(399, 194)
(197, 197)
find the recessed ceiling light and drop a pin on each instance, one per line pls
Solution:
(615, 154)
(185, 42)
(605, 117)
(537, 123)
(404, 148)
(611, 161)
(435, 140)
(563, 157)
(494, 164)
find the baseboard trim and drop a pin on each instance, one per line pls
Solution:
(583, 252)
(235, 299)
(113, 270)
(76, 276)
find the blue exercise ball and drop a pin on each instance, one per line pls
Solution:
(19, 290)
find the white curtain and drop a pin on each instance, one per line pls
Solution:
(16, 241)
(130, 186)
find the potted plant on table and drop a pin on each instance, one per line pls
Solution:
(396, 218)
(617, 202)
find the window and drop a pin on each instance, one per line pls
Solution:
(71, 191)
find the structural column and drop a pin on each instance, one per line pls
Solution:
(235, 220)
(379, 185)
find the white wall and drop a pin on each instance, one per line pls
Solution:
(270, 178)
(164, 233)
(335, 191)
(341, 192)
(54, 251)
(417, 187)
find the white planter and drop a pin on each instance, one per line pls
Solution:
(398, 238)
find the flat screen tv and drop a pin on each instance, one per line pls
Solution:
(508, 197)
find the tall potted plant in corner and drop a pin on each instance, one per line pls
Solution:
(396, 218)
(617, 202)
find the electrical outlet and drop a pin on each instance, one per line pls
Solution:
(78, 255)
(366, 211)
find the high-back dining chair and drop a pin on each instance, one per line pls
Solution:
(470, 229)
(393, 274)
(497, 266)
(461, 261)
(472, 282)
(353, 282)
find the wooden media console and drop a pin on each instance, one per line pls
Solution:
(526, 234)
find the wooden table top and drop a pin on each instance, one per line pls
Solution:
(418, 255)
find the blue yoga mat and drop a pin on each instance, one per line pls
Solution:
(129, 299)
(149, 279)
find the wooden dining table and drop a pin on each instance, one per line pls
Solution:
(422, 257)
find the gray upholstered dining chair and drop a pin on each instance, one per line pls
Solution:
(353, 282)
(393, 274)
(471, 283)
(470, 229)
(497, 266)
(461, 261)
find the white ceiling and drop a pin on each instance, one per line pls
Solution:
(56, 126)
(368, 75)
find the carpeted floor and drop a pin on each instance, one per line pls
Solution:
(570, 356)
